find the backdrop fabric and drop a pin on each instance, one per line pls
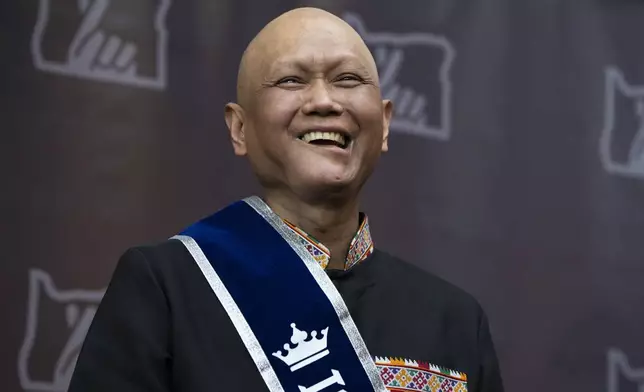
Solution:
(515, 170)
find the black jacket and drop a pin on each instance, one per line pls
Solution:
(161, 328)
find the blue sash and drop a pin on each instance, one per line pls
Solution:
(286, 310)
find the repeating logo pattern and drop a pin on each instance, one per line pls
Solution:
(115, 41)
(423, 99)
(38, 370)
(622, 141)
(621, 376)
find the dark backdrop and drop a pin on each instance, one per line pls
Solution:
(516, 167)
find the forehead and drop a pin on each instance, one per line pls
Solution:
(312, 43)
(316, 59)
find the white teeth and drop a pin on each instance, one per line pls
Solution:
(333, 136)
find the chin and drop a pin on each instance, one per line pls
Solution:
(325, 180)
(334, 180)
(327, 189)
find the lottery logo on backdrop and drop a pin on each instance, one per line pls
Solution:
(117, 41)
(622, 141)
(57, 322)
(621, 375)
(414, 71)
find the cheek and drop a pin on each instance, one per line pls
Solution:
(367, 112)
(276, 111)
(364, 100)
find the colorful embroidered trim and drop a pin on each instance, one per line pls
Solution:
(360, 248)
(319, 252)
(406, 375)
(361, 245)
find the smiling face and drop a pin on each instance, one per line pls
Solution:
(311, 118)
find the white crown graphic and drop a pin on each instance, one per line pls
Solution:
(305, 352)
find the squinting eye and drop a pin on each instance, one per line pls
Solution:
(348, 80)
(289, 80)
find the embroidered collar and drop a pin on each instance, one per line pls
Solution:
(360, 248)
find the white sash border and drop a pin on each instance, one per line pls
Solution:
(239, 321)
(327, 287)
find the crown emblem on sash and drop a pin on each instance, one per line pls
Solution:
(305, 351)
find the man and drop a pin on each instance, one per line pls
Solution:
(287, 293)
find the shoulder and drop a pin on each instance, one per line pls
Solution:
(164, 261)
(424, 285)
(159, 252)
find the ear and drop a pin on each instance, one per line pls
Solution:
(387, 113)
(234, 115)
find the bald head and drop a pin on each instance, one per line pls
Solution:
(305, 80)
(298, 27)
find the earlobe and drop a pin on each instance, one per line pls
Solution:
(387, 113)
(234, 116)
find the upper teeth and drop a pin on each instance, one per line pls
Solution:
(334, 136)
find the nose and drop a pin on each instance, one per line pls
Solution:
(320, 101)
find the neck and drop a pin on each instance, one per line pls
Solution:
(333, 224)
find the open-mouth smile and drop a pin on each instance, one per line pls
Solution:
(326, 138)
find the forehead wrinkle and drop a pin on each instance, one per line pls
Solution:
(323, 62)
(310, 61)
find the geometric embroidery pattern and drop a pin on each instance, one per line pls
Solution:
(360, 248)
(406, 375)
(361, 245)
(316, 251)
